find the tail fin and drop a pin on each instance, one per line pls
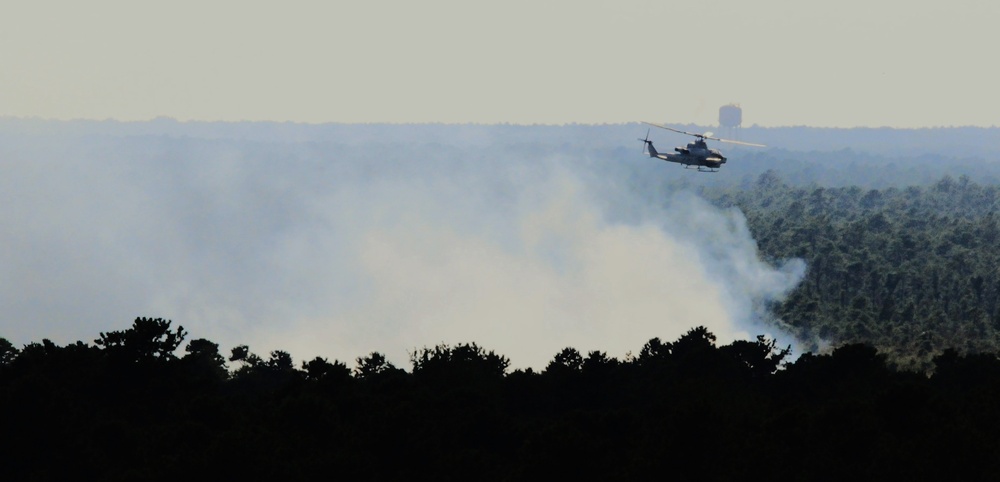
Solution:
(648, 146)
(650, 149)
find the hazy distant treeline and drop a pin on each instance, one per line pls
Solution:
(132, 406)
(955, 142)
(872, 157)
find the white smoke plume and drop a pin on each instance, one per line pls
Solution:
(337, 250)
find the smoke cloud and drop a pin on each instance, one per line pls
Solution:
(328, 248)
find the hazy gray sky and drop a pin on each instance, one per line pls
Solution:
(845, 63)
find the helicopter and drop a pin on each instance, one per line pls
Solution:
(696, 155)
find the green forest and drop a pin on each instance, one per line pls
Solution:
(911, 271)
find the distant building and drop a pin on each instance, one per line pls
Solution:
(730, 120)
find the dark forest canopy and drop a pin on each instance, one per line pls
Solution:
(132, 406)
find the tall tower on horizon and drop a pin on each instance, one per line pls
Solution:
(730, 121)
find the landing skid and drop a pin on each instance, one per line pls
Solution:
(701, 168)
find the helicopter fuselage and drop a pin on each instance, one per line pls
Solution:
(695, 154)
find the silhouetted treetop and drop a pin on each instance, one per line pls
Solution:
(695, 342)
(568, 360)
(462, 364)
(372, 366)
(203, 357)
(322, 370)
(149, 339)
(249, 362)
(7, 352)
(759, 358)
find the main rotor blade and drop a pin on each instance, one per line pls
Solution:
(672, 129)
(707, 135)
(751, 144)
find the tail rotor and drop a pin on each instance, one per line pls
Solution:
(645, 143)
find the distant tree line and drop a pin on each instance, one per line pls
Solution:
(134, 405)
(911, 271)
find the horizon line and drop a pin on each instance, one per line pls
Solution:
(165, 118)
